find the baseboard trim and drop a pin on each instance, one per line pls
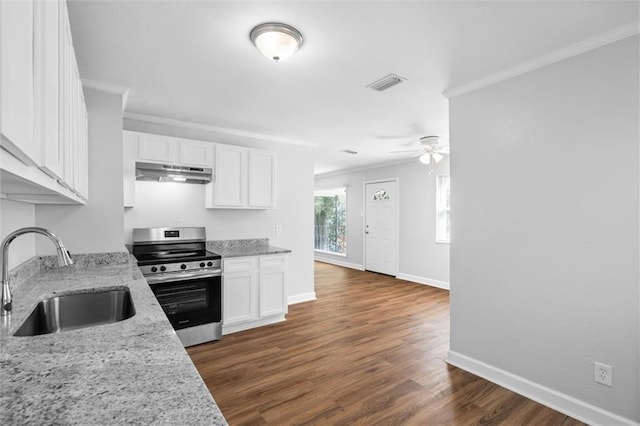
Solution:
(558, 401)
(300, 298)
(234, 328)
(422, 280)
(340, 263)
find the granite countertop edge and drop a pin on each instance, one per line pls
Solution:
(129, 372)
(250, 251)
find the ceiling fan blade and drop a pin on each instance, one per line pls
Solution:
(442, 150)
(420, 150)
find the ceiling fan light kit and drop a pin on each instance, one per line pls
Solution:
(429, 152)
(430, 140)
(275, 40)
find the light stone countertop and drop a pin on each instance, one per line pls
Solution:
(130, 372)
(251, 251)
(239, 248)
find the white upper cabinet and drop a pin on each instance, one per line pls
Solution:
(159, 149)
(262, 179)
(168, 150)
(243, 179)
(195, 153)
(43, 115)
(17, 107)
(52, 48)
(72, 112)
(229, 184)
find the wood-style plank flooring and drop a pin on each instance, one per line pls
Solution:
(369, 351)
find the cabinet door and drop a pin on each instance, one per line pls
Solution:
(229, 187)
(66, 99)
(273, 292)
(158, 149)
(262, 179)
(83, 165)
(241, 294)
(17, 80)
(193, 153)
(48, 83)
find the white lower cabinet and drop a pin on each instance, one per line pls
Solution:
(254, 292)
(240, 290)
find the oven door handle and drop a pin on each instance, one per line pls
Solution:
(166, 278)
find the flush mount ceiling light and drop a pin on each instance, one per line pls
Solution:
(276, 41)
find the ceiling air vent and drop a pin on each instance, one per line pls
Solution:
(386, 82)
(349, 151)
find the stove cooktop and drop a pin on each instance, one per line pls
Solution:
(163, 257)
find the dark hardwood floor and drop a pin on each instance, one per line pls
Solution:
(370, 350)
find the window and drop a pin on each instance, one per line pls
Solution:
(331, 221)
(443, 209)
(380, 195)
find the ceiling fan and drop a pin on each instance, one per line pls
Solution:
(430, 151)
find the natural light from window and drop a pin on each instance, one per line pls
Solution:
(331, 221)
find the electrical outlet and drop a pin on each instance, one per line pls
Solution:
(278, 229)
(603, 373)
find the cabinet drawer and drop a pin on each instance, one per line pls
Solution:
(239, 264)
(273, 262)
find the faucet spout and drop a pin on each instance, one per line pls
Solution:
(63, 260)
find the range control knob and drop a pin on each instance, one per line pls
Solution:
(163, 268)
(183, 266)
(154, 269)
(202, 264)
(209, 263)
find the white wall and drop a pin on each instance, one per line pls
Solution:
(419, 255)
(170, 204)
(97, 226)
(14, 215)
(545, 257)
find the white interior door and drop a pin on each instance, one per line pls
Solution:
(381, 227)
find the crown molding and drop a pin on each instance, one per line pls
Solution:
(108, 88)
(215, 129)
(584, 46)
(366, 167)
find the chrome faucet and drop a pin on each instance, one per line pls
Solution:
(63, 260)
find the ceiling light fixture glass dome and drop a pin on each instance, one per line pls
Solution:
(276, 41)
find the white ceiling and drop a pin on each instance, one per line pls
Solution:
(193, 61)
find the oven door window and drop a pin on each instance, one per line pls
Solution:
(189, 303)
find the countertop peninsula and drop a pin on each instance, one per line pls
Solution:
(130, 372)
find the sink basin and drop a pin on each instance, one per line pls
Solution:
(78, 310)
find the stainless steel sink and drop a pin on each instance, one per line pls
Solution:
(78, 310)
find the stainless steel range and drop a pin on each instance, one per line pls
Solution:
(185, 278)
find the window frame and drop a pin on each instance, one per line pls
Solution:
(334, 192)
